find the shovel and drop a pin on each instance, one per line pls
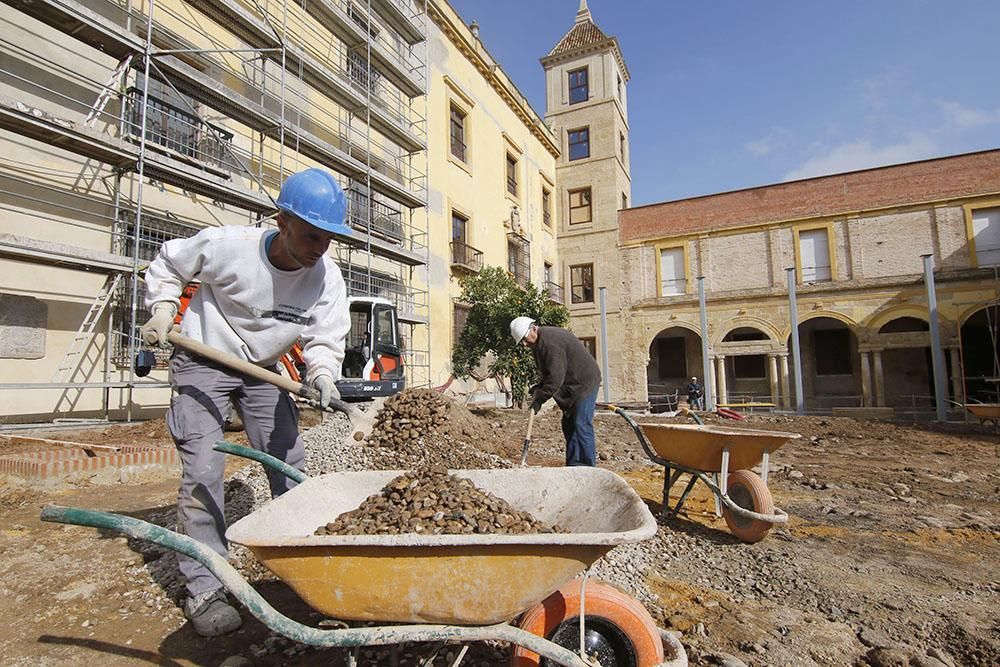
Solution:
(360, 422)
(527, 438)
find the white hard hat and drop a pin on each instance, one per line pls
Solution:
(519, 327)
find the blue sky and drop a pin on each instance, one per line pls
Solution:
(730, 94)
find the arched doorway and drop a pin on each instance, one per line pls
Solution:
(744, 376)
(904, 362)
(981, 355)
(674, 356)
(831, 366)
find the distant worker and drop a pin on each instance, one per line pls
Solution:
(569, 374)
(261, 290)
(694, 392)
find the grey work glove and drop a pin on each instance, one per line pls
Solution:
(327, 389)
(154, 331)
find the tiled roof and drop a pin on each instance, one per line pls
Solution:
(581, 34)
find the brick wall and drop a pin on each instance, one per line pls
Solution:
(46, 463)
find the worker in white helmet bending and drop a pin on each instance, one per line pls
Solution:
(261, 290)
(570, 376)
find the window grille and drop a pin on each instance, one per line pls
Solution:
(154, 232)
(519, 258)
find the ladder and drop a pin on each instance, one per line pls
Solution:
(70, 361)
(114, 83)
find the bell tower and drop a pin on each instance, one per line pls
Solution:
(586, 83)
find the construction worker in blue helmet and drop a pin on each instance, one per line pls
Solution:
(261, 291)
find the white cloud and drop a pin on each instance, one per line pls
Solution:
(966, 118)
(770, 142)
(863, 155)
(760, 146)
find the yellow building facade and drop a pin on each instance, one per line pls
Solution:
(492, 195)
(854, 246)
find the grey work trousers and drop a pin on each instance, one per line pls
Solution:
(196, 419)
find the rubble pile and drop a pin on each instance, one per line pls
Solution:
(430, 501)
(406, 417)
(420, 427)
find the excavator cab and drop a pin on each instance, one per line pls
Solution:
(373, 359)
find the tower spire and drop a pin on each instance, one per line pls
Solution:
(583, 14)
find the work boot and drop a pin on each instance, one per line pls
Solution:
(211, 614)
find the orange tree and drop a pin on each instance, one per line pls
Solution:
(495, 299)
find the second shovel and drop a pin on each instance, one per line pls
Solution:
(527, 438)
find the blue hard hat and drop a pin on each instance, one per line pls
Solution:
(315, 196)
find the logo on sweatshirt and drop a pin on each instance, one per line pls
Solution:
(281, 315)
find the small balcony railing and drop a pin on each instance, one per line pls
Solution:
(466, 257)
(555, 292)
(375, 217)
(179, 130)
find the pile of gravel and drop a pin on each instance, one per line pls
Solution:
(430, 501)
(408, 416)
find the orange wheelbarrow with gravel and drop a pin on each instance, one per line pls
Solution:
(519, 588)
(700, 450)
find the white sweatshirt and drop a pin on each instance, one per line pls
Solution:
(248, 308)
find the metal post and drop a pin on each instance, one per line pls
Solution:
(604, 346)
(706, 363)
(937, 354)
(793, 309)
(137, 229)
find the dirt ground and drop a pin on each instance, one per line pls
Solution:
(891, 556)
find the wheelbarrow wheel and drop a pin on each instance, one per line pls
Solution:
(748, 490)
(618, 629)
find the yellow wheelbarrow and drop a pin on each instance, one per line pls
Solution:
(701, 450)
(446, 588)
(985, 413)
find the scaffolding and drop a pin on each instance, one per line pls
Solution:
(215, 101)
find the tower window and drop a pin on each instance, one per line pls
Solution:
(579, 143)
(579, 91)
(581, 280)
(579, 206)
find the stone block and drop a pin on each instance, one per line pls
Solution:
(23, 322)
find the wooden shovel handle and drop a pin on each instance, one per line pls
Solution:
(244, 367)
(241, 366)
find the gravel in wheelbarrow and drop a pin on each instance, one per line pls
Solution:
(432, 502)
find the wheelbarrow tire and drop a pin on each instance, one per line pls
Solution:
(748, 490)
(619, 618)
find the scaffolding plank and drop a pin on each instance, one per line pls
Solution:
(392, 13)
(48, 252)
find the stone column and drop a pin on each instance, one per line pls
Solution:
(772, 375)
(879, 379)
(957, 386)
(711, 379)
(786, 391)
(720, 375)
(866, 390)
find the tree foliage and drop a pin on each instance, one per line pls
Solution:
(496, 299)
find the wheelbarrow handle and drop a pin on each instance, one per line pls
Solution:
(638, 433)
(278, 622)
